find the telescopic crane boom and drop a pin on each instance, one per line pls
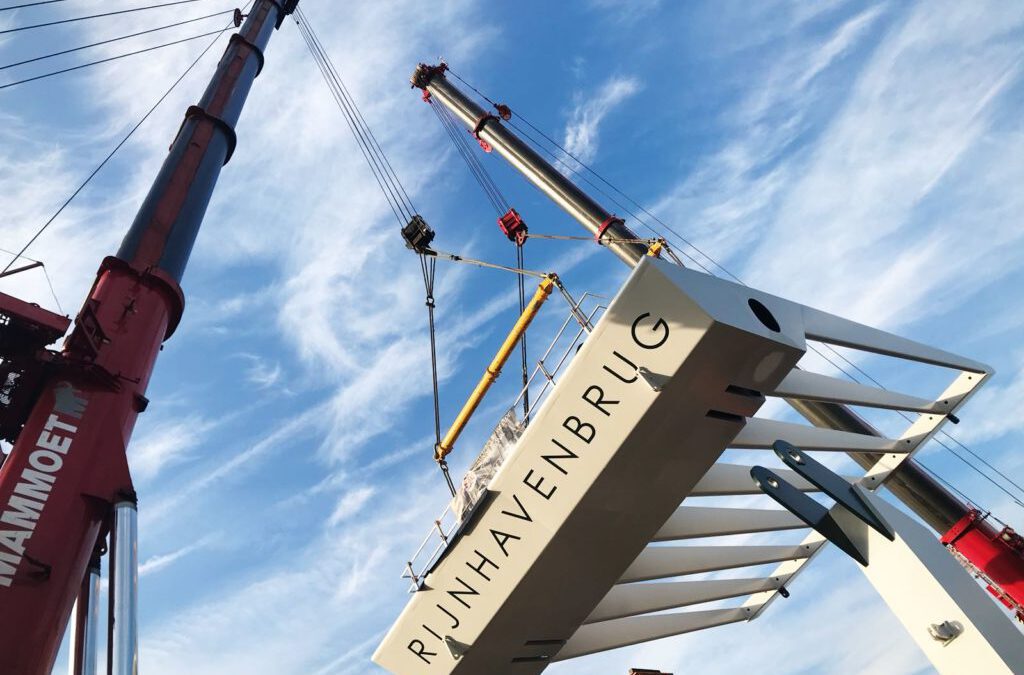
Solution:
(68, 468)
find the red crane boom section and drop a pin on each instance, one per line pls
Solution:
(68, 465)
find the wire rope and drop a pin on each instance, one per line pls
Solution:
(29, 4)
(94, 16)
(117, 147)
(116, 39)
(109, 59)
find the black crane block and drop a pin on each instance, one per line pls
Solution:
(418, 235)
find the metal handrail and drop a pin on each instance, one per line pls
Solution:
(439, 532)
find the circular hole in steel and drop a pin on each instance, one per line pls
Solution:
(774, 483)
(797, 457)
(764, 315)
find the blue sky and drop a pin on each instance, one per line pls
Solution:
(862, 158)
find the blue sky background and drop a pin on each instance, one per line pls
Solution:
(864, 158)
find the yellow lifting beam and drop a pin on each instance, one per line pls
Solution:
(654, 250)
(494, 369)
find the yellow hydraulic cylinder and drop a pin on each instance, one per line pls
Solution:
(494, 369)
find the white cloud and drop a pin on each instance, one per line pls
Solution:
(261, 372)
(582, 131)
(993, 413)
(350, 504)
(627, 12)
(325, 599)
(733, 194)
(898, 197)
(159, 562)
(164, 444)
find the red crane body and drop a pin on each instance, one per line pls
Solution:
(997, 556)
(68, 465)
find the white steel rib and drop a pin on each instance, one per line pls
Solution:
(632, 599)
(807, 385)
(725, 480)
(692, 522)
(661, 562)
(761, 433)
(599, 637)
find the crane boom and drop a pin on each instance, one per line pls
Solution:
(68, 465)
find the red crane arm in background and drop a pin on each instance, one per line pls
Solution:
(70, 415)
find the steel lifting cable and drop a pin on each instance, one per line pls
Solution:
(368, 136)
(116, 39)
(383, 172)
(428, 266)
(476, 168)
(502, 207)
(117, 147)
(109, 59)
(714, 262)
(95, 16)
(587, 168)
(394, 192)
(29, 4)
(46, 275)
(574, 306)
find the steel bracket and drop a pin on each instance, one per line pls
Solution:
(846, 494)
(844, 524)
(809, 511)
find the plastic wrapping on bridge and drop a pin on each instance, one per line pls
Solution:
(496, 450)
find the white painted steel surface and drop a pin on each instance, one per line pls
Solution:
(632, 599)
(662, 562)
(809, 386)
(726, 480)
(599, 637)
(924, 585)
(692, 522)
(584, 511)
(558, 559)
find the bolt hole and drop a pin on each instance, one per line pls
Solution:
(764, 315)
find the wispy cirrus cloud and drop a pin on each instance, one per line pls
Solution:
(156, 563)
(166, 443)
(582, 131)
(735, 191)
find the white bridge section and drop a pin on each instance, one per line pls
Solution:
(583, 534)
